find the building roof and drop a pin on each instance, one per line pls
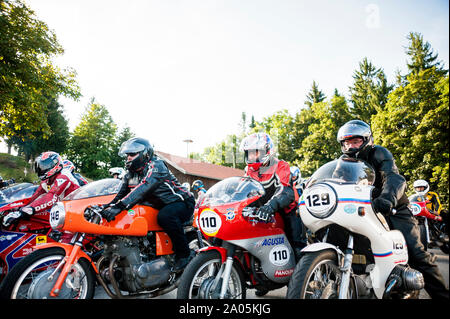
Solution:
(198, 168)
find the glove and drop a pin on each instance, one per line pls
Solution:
(264, 213)
(382, 206)
(14, 216)
(111, 212)
(438, 218)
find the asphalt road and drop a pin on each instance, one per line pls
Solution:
(442, 261)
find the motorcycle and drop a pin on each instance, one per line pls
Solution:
(137, 255)
(15, 193)
(433, 228)
(21, 239)
(358, 255)
(245, 252)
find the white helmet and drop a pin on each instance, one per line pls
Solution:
(261, 142)
(421, 183)
(117, 170)
(187, 186)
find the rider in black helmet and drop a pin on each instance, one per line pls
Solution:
(149, 179)
(390, 199)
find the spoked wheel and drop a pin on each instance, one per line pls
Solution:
(200, 280)
(317, 276)
(33, 277)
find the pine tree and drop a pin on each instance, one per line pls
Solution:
(315, 95)
(421, 55)
(369, 91)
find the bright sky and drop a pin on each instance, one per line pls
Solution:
(186, 69)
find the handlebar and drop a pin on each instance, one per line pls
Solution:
(92, 214)
(249, 211)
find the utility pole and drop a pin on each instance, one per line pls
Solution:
(187, 141)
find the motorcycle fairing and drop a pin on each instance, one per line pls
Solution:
(274, 252)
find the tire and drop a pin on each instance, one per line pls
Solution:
(301, 285)
(195, 283)
(28, 278)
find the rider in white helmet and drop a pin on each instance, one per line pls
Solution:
(422, 187)
(116, 172)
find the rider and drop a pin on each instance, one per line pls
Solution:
(149, 179)
(275, 177)
(6, 183)
(199, 187)
(57, 183)
(422, 188)
(117, 172)
(296, 178)
(356, 141)
(69, 165)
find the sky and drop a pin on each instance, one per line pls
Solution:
(186, 69)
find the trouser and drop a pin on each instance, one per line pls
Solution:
(295, 230)
(171, 218)
(419, 259)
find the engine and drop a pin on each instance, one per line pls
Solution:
(136, 268)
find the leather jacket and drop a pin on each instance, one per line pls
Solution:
(276, 180)
(389, 184)
(155, 184)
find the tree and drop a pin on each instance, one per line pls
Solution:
(369, 91)
(124, 135)
(55, 141)
(320, 146)
(421, 55)
(315, 95)
(28, 79)
(93, 141)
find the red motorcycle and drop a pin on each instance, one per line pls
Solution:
(244, 253)
(19, 240)
(433, 228)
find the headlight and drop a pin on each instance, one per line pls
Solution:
(320, 200)
(57, 216)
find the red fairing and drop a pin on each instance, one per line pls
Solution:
(235, 226)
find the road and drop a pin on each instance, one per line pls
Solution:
(442, 261)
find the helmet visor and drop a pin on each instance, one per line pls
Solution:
(352, 130)
(130, 147)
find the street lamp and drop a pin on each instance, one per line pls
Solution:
(187, 146)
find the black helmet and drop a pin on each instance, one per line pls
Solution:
(47, 165)
(136, 145)
(352, 129)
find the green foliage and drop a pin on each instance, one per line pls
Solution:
(28, 79)
(15, 167)
(369, 91)
(315, 95)
(93, 141)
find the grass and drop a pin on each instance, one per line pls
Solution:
(14, 167)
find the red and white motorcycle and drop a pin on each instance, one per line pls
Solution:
(358, 255)
(244, 253)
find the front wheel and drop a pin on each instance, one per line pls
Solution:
(33, 277)
(199, 279)
(317, 276)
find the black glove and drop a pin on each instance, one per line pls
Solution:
(15, 216)
(264, 213)
(382, 206)
(111, 212)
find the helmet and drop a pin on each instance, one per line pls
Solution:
(140, 146)
(48, 164)
(295, 173)
(421, 183)
(260, 142)
(186, 185)
(68, 165)
(352, 129)
(116, 170)
(196, 185)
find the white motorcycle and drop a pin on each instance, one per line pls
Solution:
(358, 256)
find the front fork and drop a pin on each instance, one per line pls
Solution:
(225, 272)
(346, 269)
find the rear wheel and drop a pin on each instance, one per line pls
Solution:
(33, 277)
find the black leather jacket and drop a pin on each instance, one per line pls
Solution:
(154, 184)
(389, 184)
